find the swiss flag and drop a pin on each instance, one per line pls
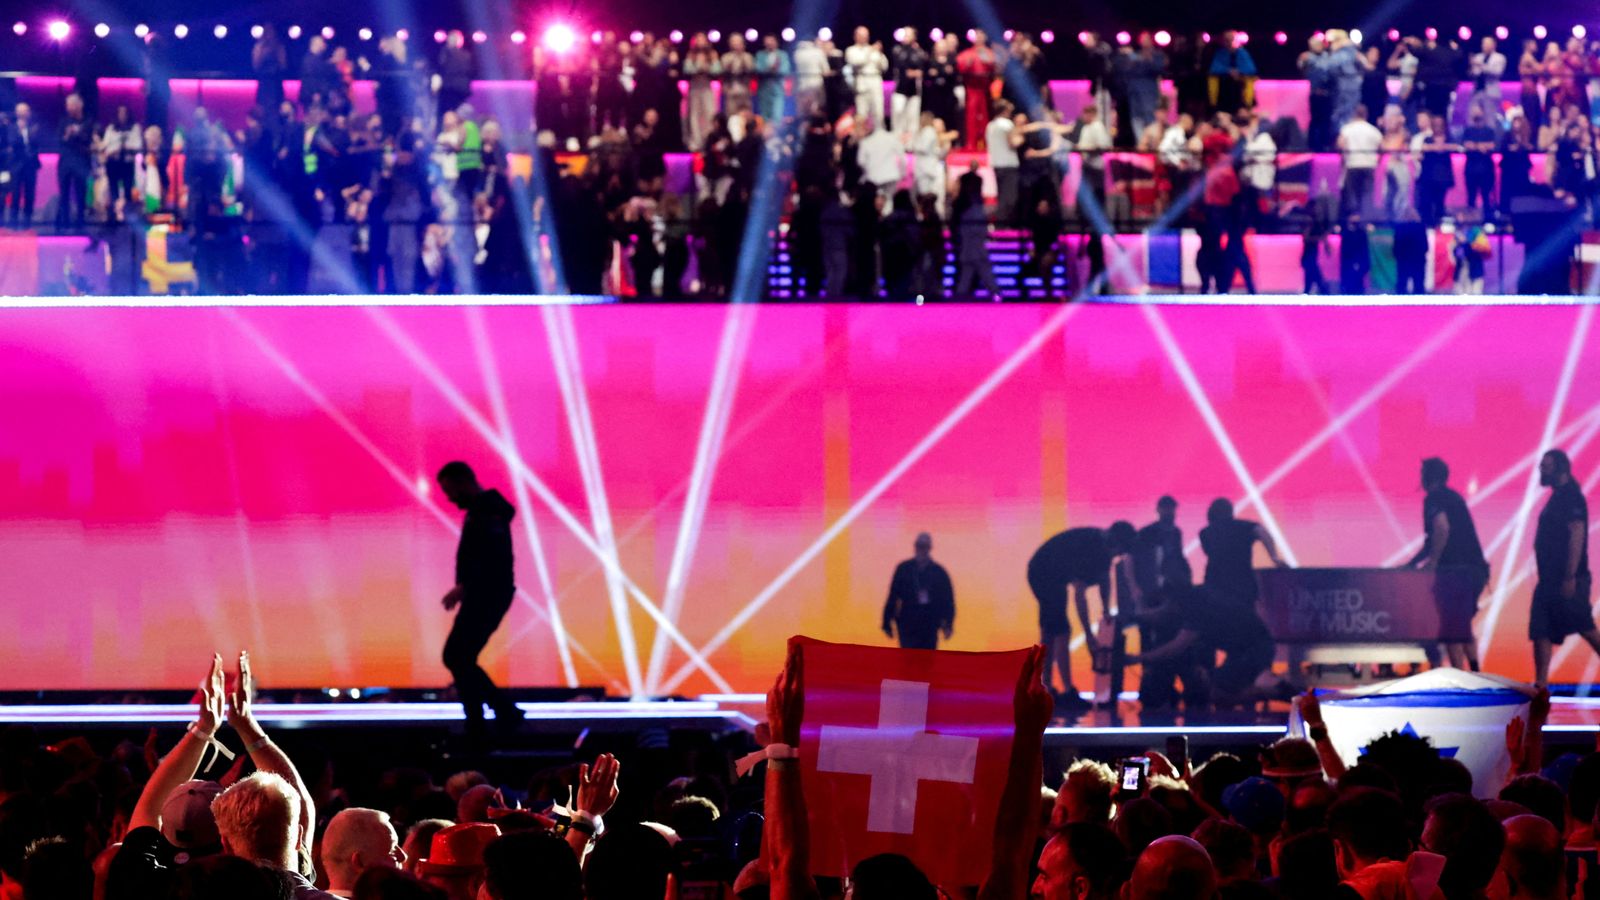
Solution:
(905, 751)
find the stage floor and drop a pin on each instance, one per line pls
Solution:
(1574, 721)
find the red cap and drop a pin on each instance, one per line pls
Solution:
(458, 849)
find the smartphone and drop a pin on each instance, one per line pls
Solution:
(1133, 777)
(1178, 752)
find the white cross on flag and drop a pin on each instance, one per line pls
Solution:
(905, 751)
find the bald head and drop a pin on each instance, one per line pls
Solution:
(358, 840)
(1533, 861)
(1172, 868)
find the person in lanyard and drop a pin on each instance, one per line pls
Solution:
(922, 602)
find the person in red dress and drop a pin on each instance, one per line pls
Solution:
(977, 65)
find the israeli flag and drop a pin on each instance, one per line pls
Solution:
(1464, 715)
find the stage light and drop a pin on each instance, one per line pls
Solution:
(1008, 34)
(335, 693)
(636, 36)
(221, 31)
(180, 31)
(58, 30)
(1465, 33)
(1240, 38)
(438, 37)
(1431, 33)
(1281, 38)
(1356, 35)
(1083, 38)
(1394, 34)
(518, 37)
(1205, 37)
(403, 34)
(559, 38)
(19, 29)
(365, 34)
(355, 693)
(1124, 38)
(750, 34)
(972, 35)
(294, 32)
(479, 37)
(327, 32)
(936, 34)
(1163, 38)
(256, 31)
(826, 34)
(1047, 36)
(787, 34)
(1540, 32)
(1501, 32)
(141, 30)
(594, 36)
(1578, 31)
(101, 30)
(675, 36)
(714, 35)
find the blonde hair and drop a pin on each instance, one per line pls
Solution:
(1091, 783)
(259, 818)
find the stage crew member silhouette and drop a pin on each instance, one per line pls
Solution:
(484, 589)
(1453, 553)
(1078, 558)
(1561, 551)
(921, 601)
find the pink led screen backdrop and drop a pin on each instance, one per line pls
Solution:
(174, 481)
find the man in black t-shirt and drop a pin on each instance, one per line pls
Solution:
(1561, 552)
(1078, 558)
(1230, 550)
(1158, 557)
(921, 601)
(1452, 551)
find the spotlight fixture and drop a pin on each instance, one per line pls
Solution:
(180, 31)
(102, 30)
(58, 30)
(221, 31)
(294, 32)
(559, 38)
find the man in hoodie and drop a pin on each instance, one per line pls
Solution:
(484, 590)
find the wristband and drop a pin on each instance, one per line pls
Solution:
(1317, 733)
(774, 753)
(210, 740)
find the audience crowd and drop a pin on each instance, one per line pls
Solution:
(1290, 821)
(875, 195)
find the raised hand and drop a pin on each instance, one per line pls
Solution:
(1032, 705)
(241, 695)
(211, 698)
(597, 785)
(1514, 732)
(786, 702)
(1310, 708)
(452, 599)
